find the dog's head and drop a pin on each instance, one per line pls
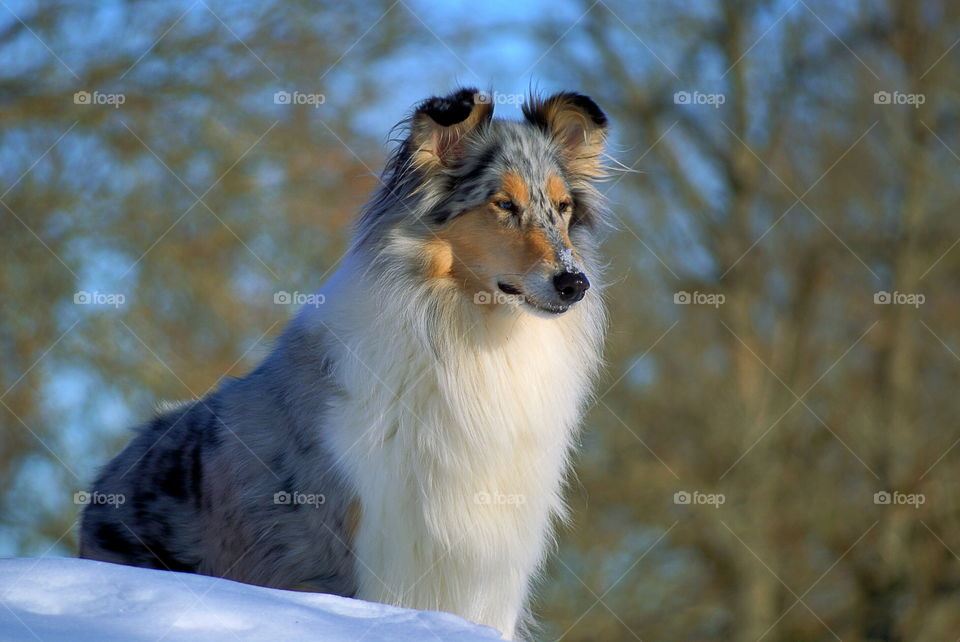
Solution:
(508, 207)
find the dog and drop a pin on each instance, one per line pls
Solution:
(406, 441)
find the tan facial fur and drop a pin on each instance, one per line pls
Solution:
(557, 190)
(482, 245)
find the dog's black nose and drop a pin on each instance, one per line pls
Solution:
(571, 286)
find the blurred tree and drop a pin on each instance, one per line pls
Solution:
(776, 179)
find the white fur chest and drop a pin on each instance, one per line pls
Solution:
(457, 450)
(473, 422)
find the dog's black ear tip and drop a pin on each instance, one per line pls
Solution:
(591, 108)
(452, 109)
(538, 110)
(466, 95)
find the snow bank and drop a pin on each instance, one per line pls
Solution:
(81, 600)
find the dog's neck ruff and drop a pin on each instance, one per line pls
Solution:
(454, 423)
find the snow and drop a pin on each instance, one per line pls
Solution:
(85, 601)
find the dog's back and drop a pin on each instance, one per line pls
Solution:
(237, 485)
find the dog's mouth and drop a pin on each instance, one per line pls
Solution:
(539, 306)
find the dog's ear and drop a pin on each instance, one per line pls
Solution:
(578, 126)
(441, 127)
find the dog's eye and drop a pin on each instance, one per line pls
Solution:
(563, 207)
(508, 206)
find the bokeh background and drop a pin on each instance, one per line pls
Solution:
(772, 453)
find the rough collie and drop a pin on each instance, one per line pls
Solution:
(407, 440)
